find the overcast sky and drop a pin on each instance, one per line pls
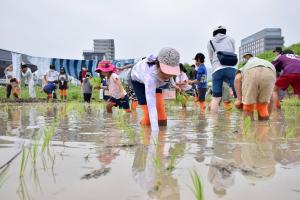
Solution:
(64, 28)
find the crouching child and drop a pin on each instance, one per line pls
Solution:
(15, 88)
(117, 93)
(254, 87)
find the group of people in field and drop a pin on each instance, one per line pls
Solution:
(255, 86)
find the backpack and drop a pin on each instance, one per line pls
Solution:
(226, 58)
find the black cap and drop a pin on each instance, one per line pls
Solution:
(278, 49)
(52, 66)
(23, 66)
(199, 56)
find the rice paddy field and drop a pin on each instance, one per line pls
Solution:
(79, 151)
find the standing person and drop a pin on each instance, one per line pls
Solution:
(117, 94)
(8, 71)
(254, 87)
(193, 78)
(87, 88)
(27, 77)
(52, 77)
(220, 44)
(277, 51)
(82, 73)
(201, 79)
(281, 93)
(63, 84)
(146, 77)
(182, 83)
(289, 64)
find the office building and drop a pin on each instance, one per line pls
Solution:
(103, 49)
(92, 55)
(264, 40)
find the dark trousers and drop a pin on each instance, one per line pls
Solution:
(201, 94)
(139, 90)
(225, 74)
(8, 90)
(87, 97)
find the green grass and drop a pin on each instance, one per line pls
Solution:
(74, 93)
(197, 185)
(293, 101)
(290, 133)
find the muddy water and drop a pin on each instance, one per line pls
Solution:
(93, 155)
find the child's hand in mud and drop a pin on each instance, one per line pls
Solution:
(238, 104)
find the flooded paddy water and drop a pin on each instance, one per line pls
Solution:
(78, 151)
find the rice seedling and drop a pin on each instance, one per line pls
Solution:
(157, 163)
(171, 165)
(44, 162)
(24, 159)
(181, 98)
(53, 163)
(3, 175)
(79, 108)
(23, 191)
(34, 150)
(36, 178)
(124, 125)
(143, 135)
(157, 159)
(246, 125)
(197, 185)
(290, 133)
(48, 134)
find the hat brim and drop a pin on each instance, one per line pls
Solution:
(171, 70)
(104, 69)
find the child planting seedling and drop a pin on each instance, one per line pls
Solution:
(118, 96)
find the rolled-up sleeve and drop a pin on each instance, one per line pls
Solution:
(150, 90)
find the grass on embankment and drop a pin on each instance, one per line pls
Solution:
(74, 94)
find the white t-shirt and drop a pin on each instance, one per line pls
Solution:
(182, 78)
(148, 75)
(27, 76)
(113, 88)
(9, 75)
(52, 75)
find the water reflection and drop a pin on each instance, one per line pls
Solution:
(151, 167)
(215, 144)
